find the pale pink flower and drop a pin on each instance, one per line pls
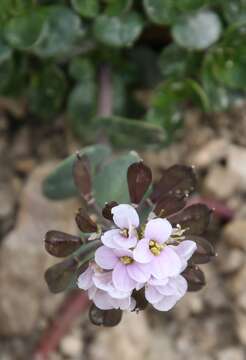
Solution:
(164, 260)
(164, 294)
(126, 273)
(126, 219)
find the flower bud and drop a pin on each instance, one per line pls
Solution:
(107, 318)
(84, 222)
(168, 205)
(195, 277)
(60, 244)
(82, 177)
(139, 178)
(106, 211)
(204, 252)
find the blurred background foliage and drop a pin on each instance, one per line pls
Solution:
(163, 55)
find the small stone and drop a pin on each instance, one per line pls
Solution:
(220, 182)
(234, 233)
(241, 326)
(231, 353)
(236, 164)
(210, 153)
(236, 286)
(130, 340)
(72, 345)
(229, 260)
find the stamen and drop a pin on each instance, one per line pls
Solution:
(124, 233)
(126, 260)
(155, 247)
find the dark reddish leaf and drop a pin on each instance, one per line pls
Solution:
(179, 180)
(60, 244)
(195, 278)
(106, 211)
(205, 251)
(168, 205)
(84, 222)
(194, 218)
(107, 318)
(59, 276)
(141, 302)
(139, 178)
(82, 177)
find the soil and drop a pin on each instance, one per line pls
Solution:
(207, 325)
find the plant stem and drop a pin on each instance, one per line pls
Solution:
(105, 95)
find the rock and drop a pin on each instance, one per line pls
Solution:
(130, 340)
(221, 182)
(231, 353)
(229, 260)
(72, 345)
(236, 286)
(210, 153)
(23, 259)
(236, 164)
(234, 233)
(241, 326)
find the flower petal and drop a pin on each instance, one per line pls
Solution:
(121, 279)
(105, 258)
(139, 272)
(124, 216)
(176, 286)
(166, 303)
(102, 300)
(125, 243)
(186, 249)
(85, 279)
(142, 252)
(158, 229)
(103, 280)
(152, 294)
(109, 236)
(166, 264)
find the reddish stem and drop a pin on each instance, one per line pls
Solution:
(74, 304)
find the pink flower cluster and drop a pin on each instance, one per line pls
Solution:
(132, 258)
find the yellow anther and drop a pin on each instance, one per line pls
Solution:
(124, 233)
(155, 251)
(152, 243)
(126, 260)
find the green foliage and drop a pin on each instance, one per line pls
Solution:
(60, 185)
(163, 55)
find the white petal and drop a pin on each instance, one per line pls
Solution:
(105, 258)
(85, 279)
(166, 264)
(166, 303)
(121, 279)
(142, 252)
(176, 286)
(102, 300)
(186, 249)
(139, 272)
(158, 229)
(108, 238)
(103, 280)
(124, 216)
(152, 294)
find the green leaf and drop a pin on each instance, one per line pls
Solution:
(178, 63)
(86, 8)
(111, 182)
(82, 69)
(60, 185)
(46, 91)
(24, 31)
(197, 31)
(229, 67)
(234, 10)
(168, 103)
(117, 7)
(61, 33)
(168, 11)
(123, 132)
(118, 31)
(5, 52)
(81, 109)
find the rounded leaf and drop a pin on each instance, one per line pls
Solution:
(118, 31)
(197, 31)
(60, 244)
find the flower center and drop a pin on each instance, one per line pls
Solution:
(155, 247)
(124, 233)
(127, 260)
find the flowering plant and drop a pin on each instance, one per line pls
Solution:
(132, 255)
